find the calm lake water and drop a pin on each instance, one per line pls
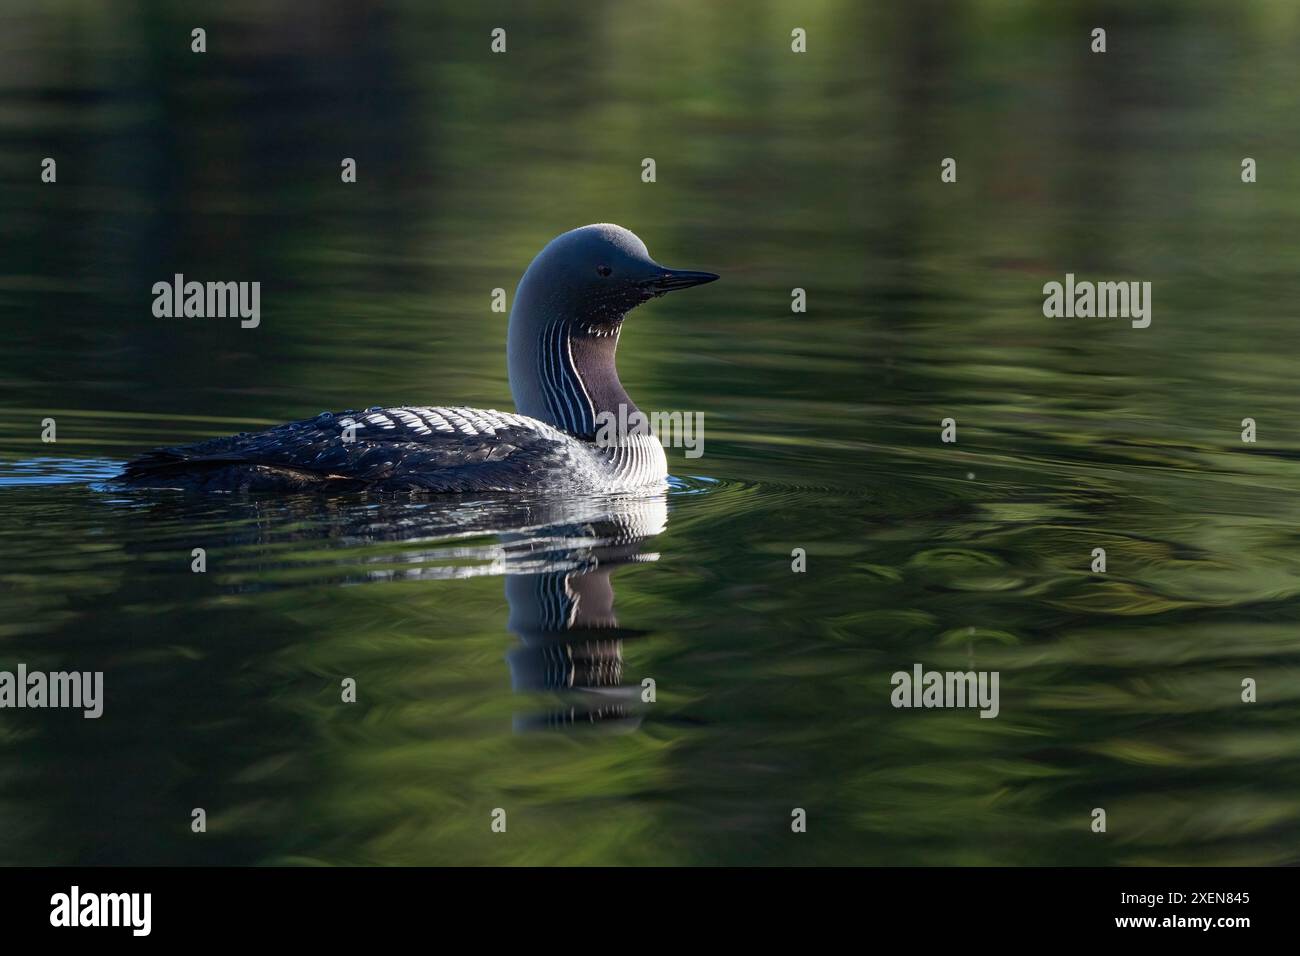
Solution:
(819, 171)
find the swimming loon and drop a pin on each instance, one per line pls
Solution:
(564, 327)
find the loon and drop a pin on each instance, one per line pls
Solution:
(568, 312)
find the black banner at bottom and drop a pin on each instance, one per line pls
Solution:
(335, 905)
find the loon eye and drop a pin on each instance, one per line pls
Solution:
(604, 270)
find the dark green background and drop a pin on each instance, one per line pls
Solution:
(776, 170)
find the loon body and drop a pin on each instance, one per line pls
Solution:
(564, 328)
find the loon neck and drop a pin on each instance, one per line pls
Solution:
(566, 376)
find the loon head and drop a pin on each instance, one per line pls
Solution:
(566, 318)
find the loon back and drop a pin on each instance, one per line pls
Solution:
(564, 328)
(436, 450)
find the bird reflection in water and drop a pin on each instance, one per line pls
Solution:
(563, 614)
(556, 554)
